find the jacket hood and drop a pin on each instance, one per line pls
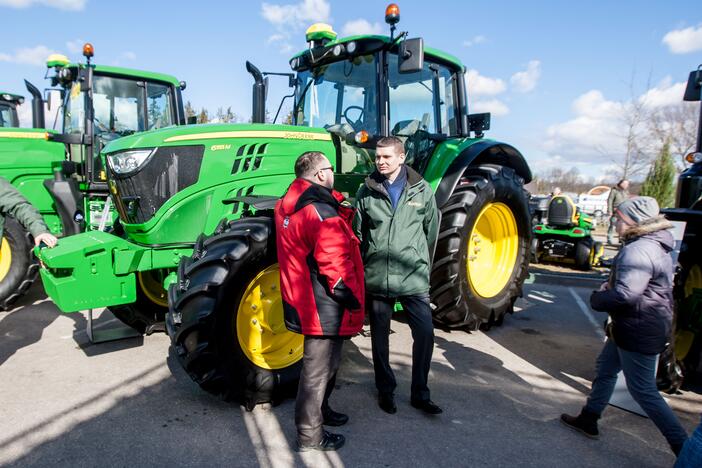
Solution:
(303, 192)
(656, 229)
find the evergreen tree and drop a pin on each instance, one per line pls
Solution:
(660, 181)
(203, 117)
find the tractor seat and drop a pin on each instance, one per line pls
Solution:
(562, 212)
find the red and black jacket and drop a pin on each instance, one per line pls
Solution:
(321, 270)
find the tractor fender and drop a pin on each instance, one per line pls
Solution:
(481, 152)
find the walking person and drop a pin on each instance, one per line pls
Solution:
(321, 281)
(617, 195)
(639, 300)
(397, 223)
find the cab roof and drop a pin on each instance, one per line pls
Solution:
(132, 73)
(9, 97)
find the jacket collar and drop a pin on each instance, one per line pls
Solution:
(376, 179)
(303, 192)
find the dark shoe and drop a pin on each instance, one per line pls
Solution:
(332, 418)
(387, 403)
(329, 443)
(585, 423)
(427, 406)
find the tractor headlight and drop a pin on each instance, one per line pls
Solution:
(128, 161)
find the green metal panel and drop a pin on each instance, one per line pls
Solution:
(443, 156)
(26, 160)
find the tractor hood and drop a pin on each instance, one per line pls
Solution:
(172, 184)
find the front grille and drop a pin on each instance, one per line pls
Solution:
(169, 170)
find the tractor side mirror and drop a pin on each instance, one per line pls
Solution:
(693, 92)
(479, 123)
(410, 57)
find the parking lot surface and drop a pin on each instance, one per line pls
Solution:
(67, 402)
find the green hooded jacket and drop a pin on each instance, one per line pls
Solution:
(397, 246)
(12, 203)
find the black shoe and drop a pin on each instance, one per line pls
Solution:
(427, 406)
(332, 418)
(329, 443)
(585, 423)
(387, 403)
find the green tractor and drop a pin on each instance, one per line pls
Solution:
(566, 236)
(62, 174)
(8, 109)
(196, 205)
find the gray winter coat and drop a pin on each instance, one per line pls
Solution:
(640, 294)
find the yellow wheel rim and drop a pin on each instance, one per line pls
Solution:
(693, 281)
(151, 283)
(492, 250)
(5, 258)
(260, 327)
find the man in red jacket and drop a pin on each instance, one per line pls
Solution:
(321, 280)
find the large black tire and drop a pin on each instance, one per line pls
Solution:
(583, 254)
(204, 305)
(456, 300)
(21, 272)
(147, 314)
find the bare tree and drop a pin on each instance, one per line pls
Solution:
(676, 126)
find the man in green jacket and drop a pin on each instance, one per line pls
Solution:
(618, 195)
(397, 223)
(12, 203)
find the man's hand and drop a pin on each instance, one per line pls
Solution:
(46, 238)
(604, 286)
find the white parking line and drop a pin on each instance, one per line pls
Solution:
(586, 310)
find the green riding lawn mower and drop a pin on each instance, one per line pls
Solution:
(8, 109)
(62, 173)
(687, 356)
(566, 236)
(195, 208)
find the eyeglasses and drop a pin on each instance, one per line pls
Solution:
(324, 169)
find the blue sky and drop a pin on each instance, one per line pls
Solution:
(554, 74)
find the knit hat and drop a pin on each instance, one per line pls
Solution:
(639, 209)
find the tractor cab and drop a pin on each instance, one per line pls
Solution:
(102, 103)
(8, 109)
(362, 88)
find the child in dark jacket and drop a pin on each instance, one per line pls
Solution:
(639, 300)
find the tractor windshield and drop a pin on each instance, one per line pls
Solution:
(7, 116)
(341, 93)
(121, 107)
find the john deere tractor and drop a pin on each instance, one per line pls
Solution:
(688, 280)
(8, 109)
(196, 205)
(61, 173)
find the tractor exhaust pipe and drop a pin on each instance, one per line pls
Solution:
(259, 94)
(37, 106)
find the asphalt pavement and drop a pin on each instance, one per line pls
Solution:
(67, 402)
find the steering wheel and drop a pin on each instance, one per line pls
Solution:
(357, 123)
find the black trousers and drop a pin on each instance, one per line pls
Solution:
(420, 322)
(320, 362)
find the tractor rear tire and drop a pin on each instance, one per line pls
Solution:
(148, 313)
(18, 265)
(488, 204)
(583, 254)
(228, 337)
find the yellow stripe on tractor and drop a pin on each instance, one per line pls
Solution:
(252, 134)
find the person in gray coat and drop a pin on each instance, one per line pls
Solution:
(639, 300)
(618, 195)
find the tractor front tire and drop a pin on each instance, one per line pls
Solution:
(18, 266)
(225, 316)
(583, 254)
(482, 254)
(148, 313)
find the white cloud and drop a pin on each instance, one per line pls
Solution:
(479, 85)
(297, 14)
(475, 41)
(128, 55)
(665, 94)
(275, 38)
(74, 5)
(496, 107)
(28, 55)
(683, 41)
(361, 26)
(76, 46)
(525, 81)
